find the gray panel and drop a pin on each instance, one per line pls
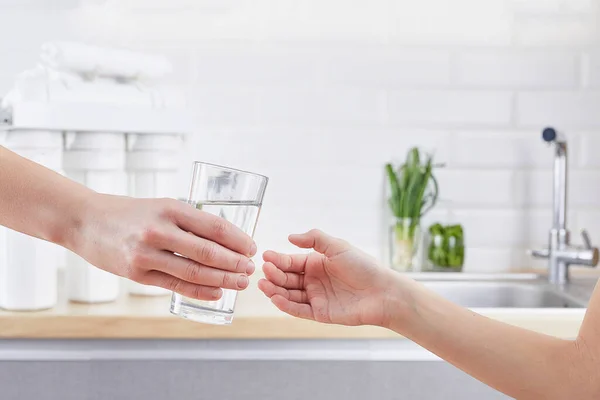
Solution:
(231, 380)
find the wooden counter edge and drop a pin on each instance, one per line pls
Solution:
(250, 328)
(128, 327)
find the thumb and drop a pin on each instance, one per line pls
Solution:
(319, 241)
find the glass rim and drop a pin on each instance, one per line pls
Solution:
(223, 167)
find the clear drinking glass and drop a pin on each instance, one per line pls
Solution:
(237, 197)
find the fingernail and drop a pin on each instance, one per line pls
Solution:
(250, 268)
(215, 294)
(253, 249)
(243, 281)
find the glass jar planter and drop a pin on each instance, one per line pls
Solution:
(405, 236)
(446, 252)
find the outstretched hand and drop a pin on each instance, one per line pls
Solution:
(336, 284)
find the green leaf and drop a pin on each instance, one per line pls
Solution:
(413, 188)
(396, 192)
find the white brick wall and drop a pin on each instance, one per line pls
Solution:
(567, 109)
(319, 94)
(450, 107)
(521, 69)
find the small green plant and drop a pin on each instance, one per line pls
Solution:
(413, 192)
(414, 189)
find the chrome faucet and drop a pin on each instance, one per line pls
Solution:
(560, 253)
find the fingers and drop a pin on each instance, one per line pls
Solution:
(284, 279)
(187, 289)
(270, 290)
(292, 302)
(188, 270)
(292, 308)
(286, 262)
(213, 228)
(205, 252)
(318, 240)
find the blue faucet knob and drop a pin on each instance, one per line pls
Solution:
(549, 134)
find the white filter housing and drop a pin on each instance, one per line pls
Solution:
(96, 160)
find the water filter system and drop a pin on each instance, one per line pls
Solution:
(95, 136)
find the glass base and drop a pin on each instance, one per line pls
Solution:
(402, 268)
(437, 268)
(198, 314)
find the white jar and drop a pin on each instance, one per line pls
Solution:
(29, 266)
(152, 164)
(96, 160)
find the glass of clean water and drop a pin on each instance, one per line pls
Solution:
(237, 197)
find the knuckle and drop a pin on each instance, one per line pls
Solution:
(174, 285)
(241, 264)
(285, 260)
(193, 272)
(315, 232)
(227, 280)
(206, 252)
(151, 234)
(198, 292)
(136, 275)
(167, 208)
(220, 228)
(138, 261)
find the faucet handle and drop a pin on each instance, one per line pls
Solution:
(586, 239)
(543, 253)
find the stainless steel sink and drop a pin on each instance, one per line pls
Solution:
(497, 294)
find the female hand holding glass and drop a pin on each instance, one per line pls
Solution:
(133, 238)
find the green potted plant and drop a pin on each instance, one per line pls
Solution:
(413, 192)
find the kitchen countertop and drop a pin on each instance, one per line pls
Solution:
(136, 317)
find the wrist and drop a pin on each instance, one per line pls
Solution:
(69, 232)
(400, 302)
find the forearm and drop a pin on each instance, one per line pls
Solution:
(518, 362)
(40, 202)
